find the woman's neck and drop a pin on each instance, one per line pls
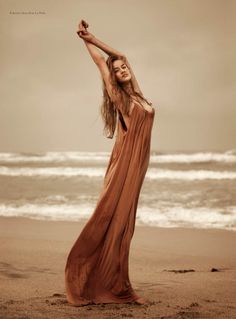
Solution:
(127, 87)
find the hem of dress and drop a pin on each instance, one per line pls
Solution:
(95, 302)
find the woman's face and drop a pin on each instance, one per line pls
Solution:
(121, 71)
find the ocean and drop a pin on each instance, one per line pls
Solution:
(193, 190)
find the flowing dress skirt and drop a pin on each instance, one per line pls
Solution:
(97, 266)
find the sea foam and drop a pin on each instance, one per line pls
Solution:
(152, 173)
(200, 217)
(58, 157)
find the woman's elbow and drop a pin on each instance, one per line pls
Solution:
(100, 59)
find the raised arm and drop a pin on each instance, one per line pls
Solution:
(91, 42)
(110, 51)
(99, 60)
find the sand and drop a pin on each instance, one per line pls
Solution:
(169, 266)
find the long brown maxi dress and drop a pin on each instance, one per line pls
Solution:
(97, 265)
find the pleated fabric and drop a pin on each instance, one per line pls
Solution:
(97, 269)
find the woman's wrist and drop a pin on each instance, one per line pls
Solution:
(96, 42)
(86, 36)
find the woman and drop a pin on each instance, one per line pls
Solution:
(97, 265)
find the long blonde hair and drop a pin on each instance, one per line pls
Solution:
(108, 109)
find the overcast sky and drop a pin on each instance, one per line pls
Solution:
(182, 52)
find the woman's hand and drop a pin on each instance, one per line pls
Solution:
(84, 24)
(83, 32)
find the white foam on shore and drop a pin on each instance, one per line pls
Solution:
(152, 173)
(58, 157)
(194, 158)
(48, 212)
(199, 217)
(52, 171)
(53, 157)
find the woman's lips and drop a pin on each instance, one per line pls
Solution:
(124, 75)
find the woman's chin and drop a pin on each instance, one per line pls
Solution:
(125, 80)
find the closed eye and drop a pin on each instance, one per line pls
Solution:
(123, 67)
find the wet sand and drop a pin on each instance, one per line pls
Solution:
(172, 267)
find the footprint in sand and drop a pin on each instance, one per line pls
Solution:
(57, 301)
(180, 271)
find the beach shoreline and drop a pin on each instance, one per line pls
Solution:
(171, 267)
